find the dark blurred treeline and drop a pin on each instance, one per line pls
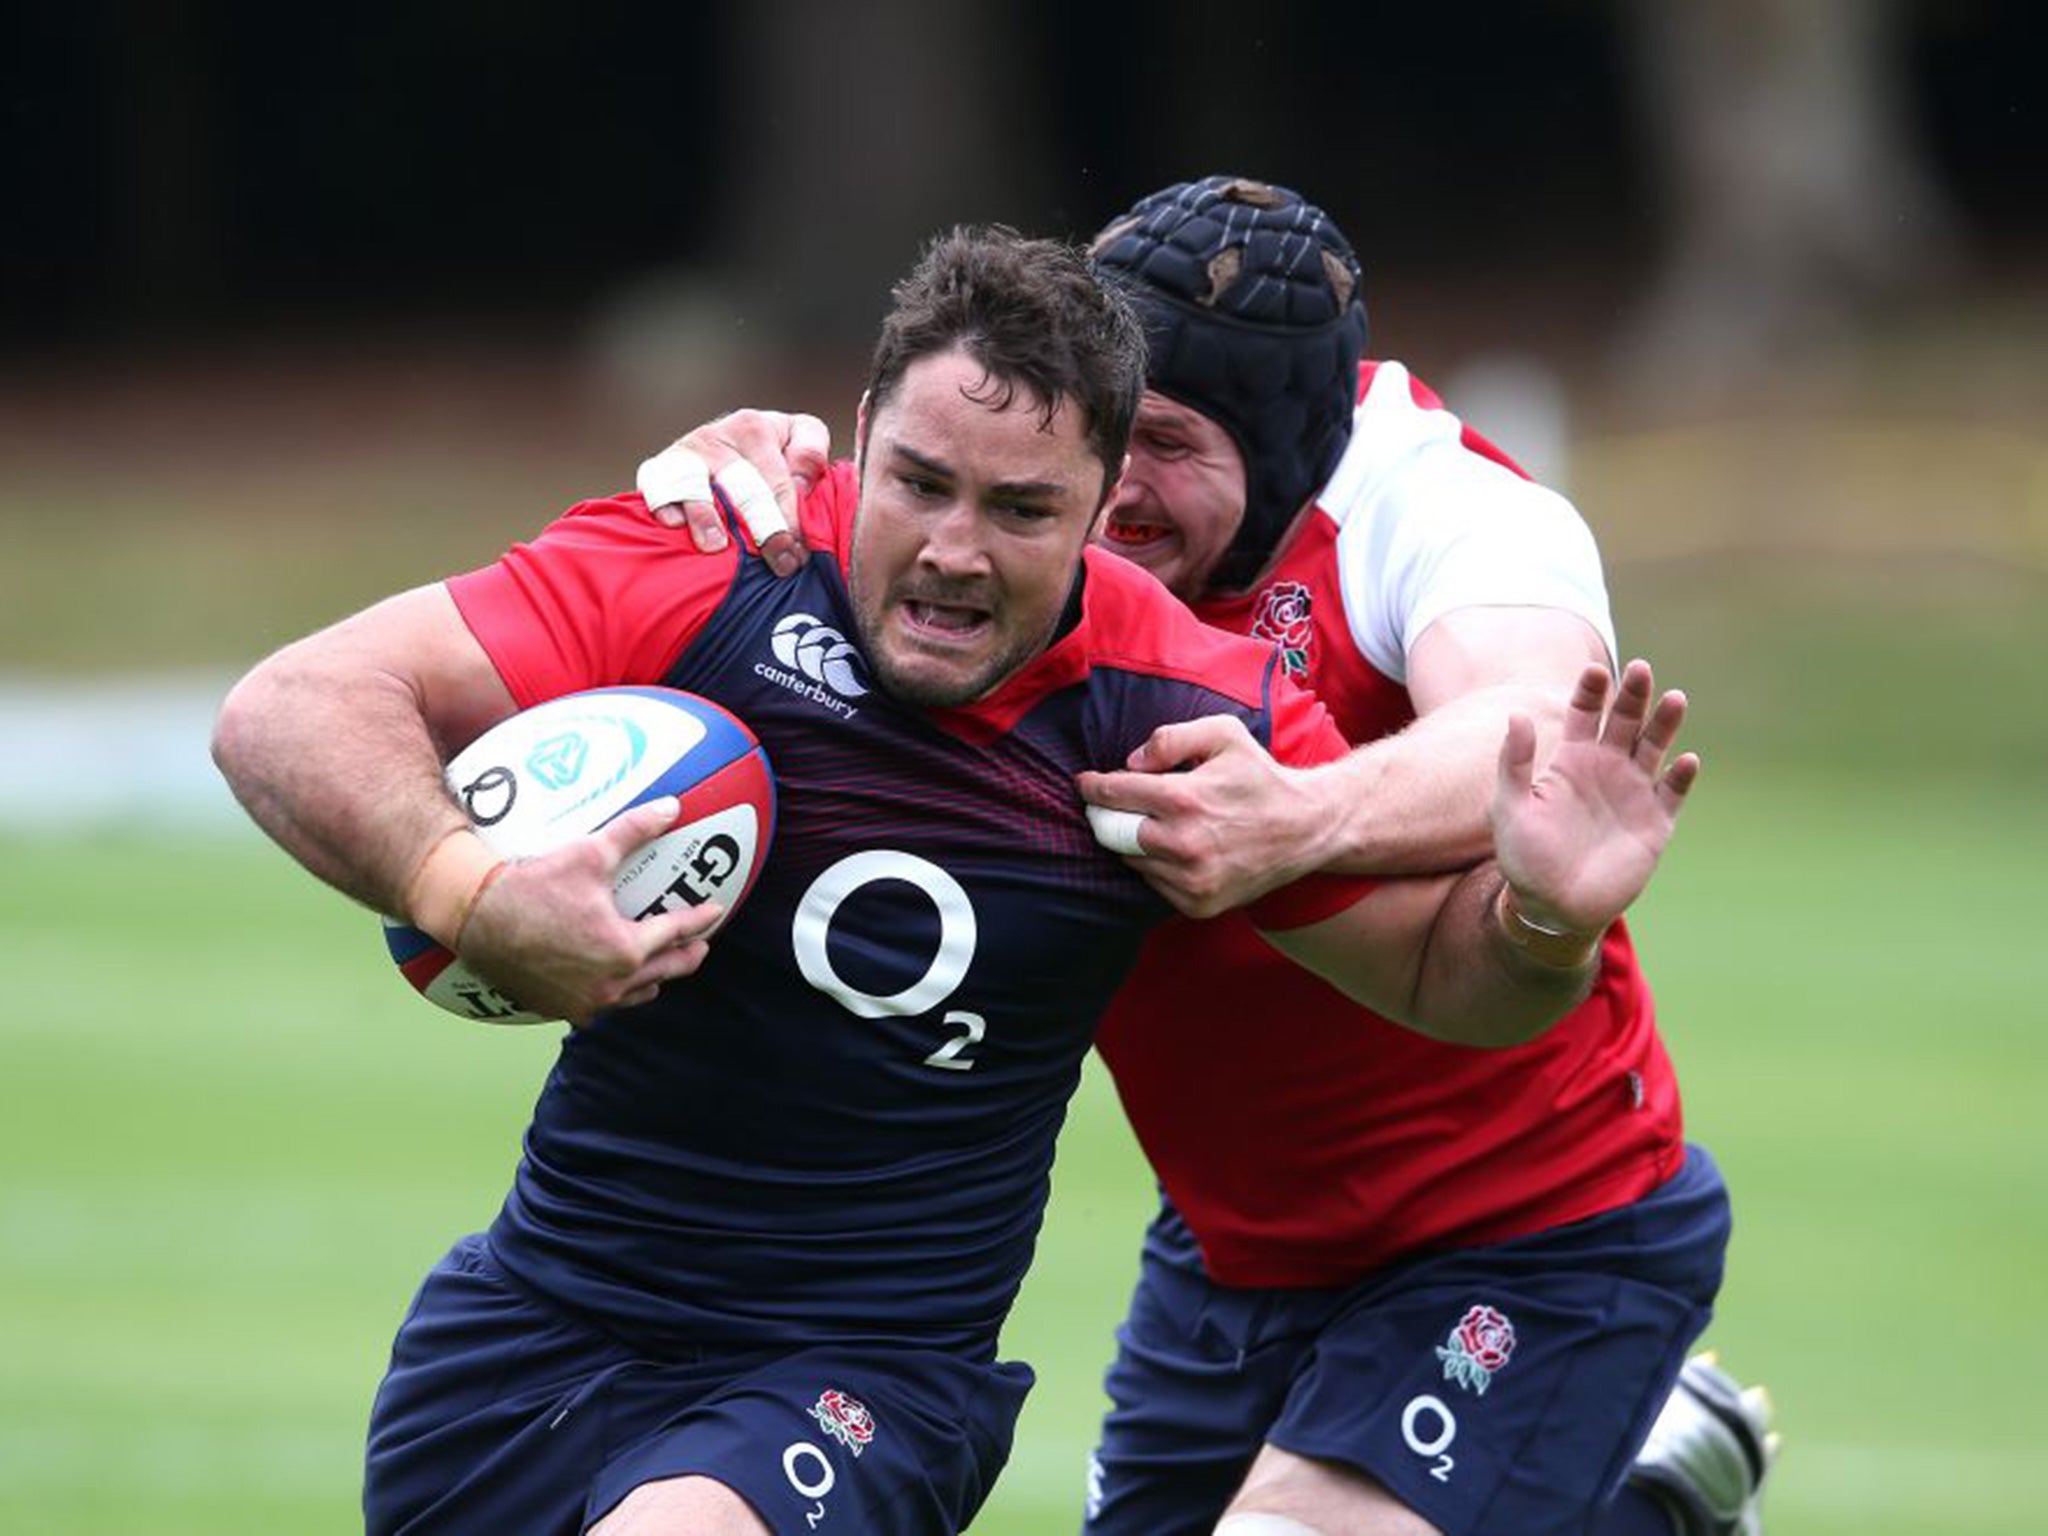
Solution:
(210, 167)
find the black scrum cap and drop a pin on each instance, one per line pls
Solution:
(1250, 297)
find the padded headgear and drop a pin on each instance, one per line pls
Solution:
(1250, 298)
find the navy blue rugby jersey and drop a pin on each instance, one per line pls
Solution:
(842, 1127)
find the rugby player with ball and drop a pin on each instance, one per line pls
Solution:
(1365, 1233)
(780, 1190)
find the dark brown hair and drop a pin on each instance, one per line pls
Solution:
(1035, 316)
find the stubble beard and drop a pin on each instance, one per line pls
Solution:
(915, 686)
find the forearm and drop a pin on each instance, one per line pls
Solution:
(343, 775)
(1432, 953)
(1416, 802)
(1486, 979)
(335, 744)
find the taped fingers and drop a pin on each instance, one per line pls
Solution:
(673, 476)
(1118, 831)
(746, 490)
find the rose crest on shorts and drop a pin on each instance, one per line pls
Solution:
(1477, 1348)
(1283, 618)
(846, 1419)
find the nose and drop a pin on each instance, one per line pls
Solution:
(1134, 491)
(954, 544)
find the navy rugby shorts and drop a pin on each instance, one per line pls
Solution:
(502, 1413)
(1497, 1391)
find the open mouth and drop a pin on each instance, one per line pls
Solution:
(1134, 533)
(945, 622)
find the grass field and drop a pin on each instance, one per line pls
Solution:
(232, 1145)
(232, 1142)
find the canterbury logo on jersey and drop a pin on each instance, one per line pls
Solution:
(817, 661)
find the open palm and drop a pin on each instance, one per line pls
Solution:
(1580, 841)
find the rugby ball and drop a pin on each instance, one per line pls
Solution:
(556, 772)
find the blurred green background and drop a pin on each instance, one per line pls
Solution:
(234, 1141)
(244, 401)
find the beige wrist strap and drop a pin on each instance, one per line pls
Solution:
(1564, 949)
(449, 881)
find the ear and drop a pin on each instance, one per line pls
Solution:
(1109, 499)
(860, 438)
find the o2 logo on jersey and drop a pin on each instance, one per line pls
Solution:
(947, 968)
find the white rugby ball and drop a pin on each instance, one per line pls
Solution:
(556, 772)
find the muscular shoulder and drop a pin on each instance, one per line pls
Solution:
(1428, 516)
(602, 595)
(1401, 428)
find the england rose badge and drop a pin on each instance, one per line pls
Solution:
(1477, 1348)
(1284, 618)
(846, 1419)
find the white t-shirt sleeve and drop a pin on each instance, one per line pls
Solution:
(1434, 527)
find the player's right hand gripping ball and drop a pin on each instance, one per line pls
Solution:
(562, 769)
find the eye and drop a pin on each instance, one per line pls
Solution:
(923, 487)
(1163, 445)
(1028, 514)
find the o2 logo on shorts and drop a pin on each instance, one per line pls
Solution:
(810, 1473)
(1429, 1427)
(959, 932)
(809, 1470)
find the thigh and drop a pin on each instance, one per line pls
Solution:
(861, 1442)
(1294, 1495)
(483, 1420)
(682, 1506)
(1199, 1374)
(1505, 1389)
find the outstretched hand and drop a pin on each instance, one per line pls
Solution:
(762, 462)
(1580, 841)
(547, 933)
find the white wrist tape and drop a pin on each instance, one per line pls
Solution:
(1118, 831)
(674, 474)
(748, 491)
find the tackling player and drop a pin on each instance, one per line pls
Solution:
(1395, 1285)
(767, 1225)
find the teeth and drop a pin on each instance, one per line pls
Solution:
(943, 615)
(1135, 533)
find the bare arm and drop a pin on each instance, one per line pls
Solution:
(1493, 956)
(1424, 806)
(335, 747)
(1432, 952)
(1240, 824)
